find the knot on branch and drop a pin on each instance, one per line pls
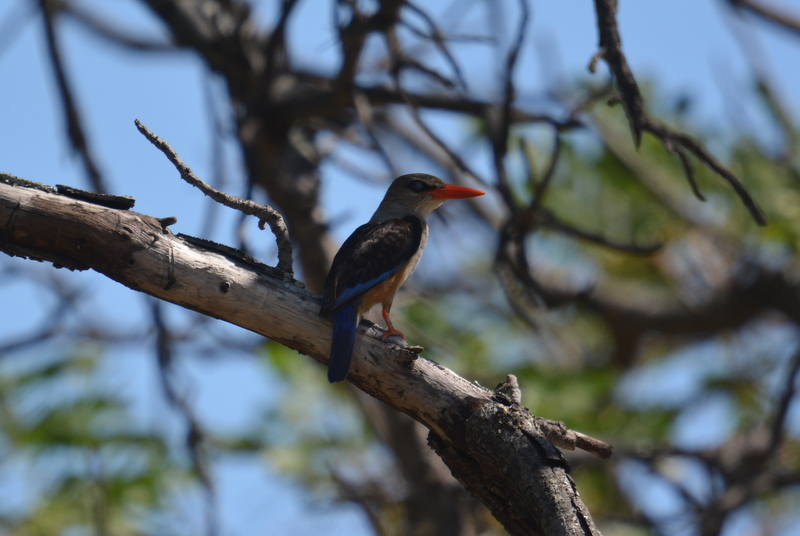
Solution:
(508, 392)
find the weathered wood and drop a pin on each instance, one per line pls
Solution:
(492, 445)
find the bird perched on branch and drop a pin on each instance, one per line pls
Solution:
(378, 257)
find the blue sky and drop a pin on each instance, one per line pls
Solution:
(681, 47)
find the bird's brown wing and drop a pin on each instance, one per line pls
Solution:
(370, 255)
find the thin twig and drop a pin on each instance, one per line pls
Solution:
(114, 33)
(438, 39)
(75, 131)
(557, 433)
(788, 394)
(770, 14)
(455, 158)
(364, 111)
(549, 220)
(669, 136)
(264, 213)
(688, 169)
(611, 51)
(52, 324)
(500, 133)
(195, 436)
(544, 183)
(400, 60)
(354, 35)
(403, 60)
(275, 49)
(15, 22)
(457, 161)
(382, 95)
(525, 221)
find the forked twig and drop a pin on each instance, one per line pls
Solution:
(265, 214)
(610, 50)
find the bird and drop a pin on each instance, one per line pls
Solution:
(378, 257)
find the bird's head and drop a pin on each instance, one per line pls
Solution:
(418, 194)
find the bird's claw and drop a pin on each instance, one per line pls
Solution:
(393, 333)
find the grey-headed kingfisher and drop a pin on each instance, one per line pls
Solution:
(378, 257)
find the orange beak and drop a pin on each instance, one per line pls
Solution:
(451, 191)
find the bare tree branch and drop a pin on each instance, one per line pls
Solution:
(482, 440)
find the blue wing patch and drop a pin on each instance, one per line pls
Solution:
(361, 288)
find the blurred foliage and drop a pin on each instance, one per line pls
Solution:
(72, 455)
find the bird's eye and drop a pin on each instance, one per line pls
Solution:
(418, 186)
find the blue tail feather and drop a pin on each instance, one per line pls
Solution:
(344, 339)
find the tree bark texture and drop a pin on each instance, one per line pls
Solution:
(492, 445)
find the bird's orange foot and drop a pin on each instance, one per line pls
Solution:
(391, 331)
